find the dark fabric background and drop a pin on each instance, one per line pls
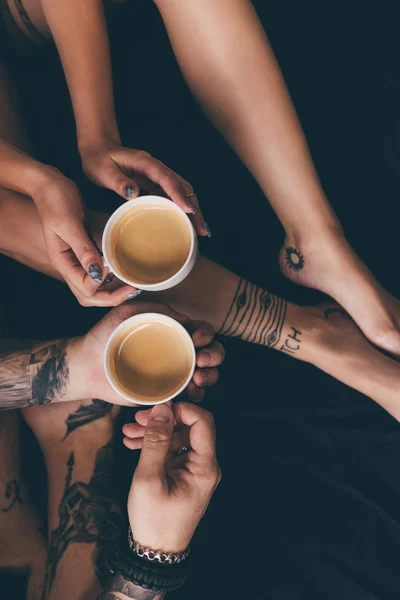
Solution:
(309, 502)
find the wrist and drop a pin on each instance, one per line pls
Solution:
(76, 388)
(98, 143)
(37, 176)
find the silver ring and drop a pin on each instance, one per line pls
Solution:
(183, 450)
(193, 195)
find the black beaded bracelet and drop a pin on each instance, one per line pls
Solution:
(157, 577)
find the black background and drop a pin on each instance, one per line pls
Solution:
(309, 502)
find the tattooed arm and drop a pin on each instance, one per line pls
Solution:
(238, 308)
(121, 589)
(33, 373)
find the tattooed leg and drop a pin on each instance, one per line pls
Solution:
(326, 338)
(331, 266)
(22, 545)
(84, 516)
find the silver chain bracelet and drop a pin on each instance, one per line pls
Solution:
(154, 555)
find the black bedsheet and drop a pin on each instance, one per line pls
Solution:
(309, 502)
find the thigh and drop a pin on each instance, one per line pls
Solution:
(11, 127)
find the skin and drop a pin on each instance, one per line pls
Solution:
(37, 373)
(330, 341)
(72, 463)
(268, 138)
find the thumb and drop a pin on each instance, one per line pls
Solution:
(156, 442)
(113, 178)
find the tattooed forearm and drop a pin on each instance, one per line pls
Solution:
(255, 315)
(88, 514)
(12, 494)
(121, 589)
(292, 342)
(31, 375)
(86, 414)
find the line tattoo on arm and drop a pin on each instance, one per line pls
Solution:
(255, 315)
(32, 374)
(121, 589)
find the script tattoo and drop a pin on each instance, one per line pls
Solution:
(32, 375)
(87, 414)
(12, 494)
(255, 315)
(292, 342)
(87, 514)
(121, 589)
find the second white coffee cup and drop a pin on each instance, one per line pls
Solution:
(147, 232)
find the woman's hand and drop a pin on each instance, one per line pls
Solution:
(170, 492)
(126, 171)
(89, 351)
(70, 249)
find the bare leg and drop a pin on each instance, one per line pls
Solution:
(228, 62)
(22, 546)
(84, 517)
(237, 308)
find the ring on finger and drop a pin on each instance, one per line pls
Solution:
(192, 195)
(183, 450)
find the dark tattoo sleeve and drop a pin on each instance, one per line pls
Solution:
(88, 513)
(255, 315)
(121, 589)
(31, 375)
(86, 414)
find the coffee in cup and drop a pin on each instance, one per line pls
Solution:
(150, 243)
(149, 359)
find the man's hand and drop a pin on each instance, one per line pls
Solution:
(87, 353)
(170, 491)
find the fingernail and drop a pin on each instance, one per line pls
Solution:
(95, 272)
(133, 295)
(110, 277)
(207, 358)
(207, 229)
(130, 191)
(161, 413)
(191, 206)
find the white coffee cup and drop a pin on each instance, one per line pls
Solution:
(137, 382)
(139, 204)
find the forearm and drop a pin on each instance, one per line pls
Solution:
(80, 34)
(230, 66)
(20, 172)
(33, 373)
(121, 589)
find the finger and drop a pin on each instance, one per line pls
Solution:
(133, 430)
(205, 377)
(202, 333)
(113, 178)
(105, 298)
(156, 443)
(194, 393)
(202, 429)
(197, 216)
(133, 444)
(142, 417)
(212, 356)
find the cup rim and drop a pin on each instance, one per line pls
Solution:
(153, 317)
(124, 208)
